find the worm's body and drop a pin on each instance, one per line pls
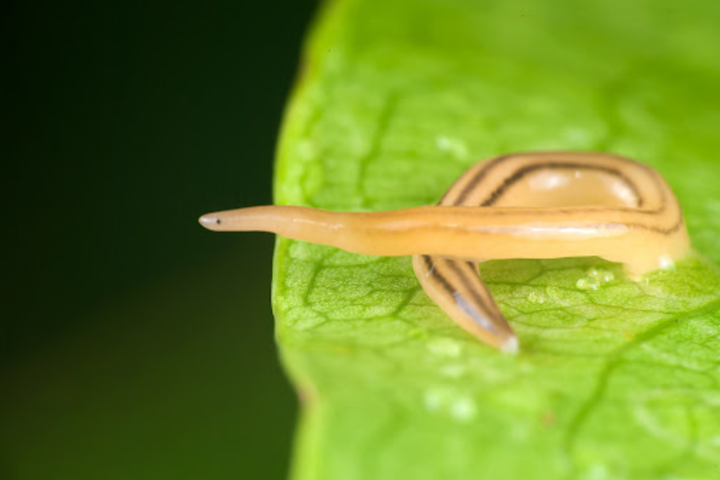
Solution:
(530, 205)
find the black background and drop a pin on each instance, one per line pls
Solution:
(134, 344)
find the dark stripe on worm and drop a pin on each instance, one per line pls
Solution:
(450, 290)
(480, 175)
(468, 285)
(475, 180)
(522, 172)
(662, 231)
(429, 264)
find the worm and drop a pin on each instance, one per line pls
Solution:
(521, 205)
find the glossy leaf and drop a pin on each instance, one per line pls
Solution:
(615, 379)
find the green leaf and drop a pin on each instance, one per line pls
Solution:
(615, 379)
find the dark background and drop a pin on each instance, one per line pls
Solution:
(134, 344)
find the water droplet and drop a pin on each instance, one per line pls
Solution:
(444, 347)
(601, 275)
(463, 409)
(666, 263)
(450, 401)
(455, 370)
(587, 283)
(535, 297)
(554, 293)
(597, 471)
(434, 400)
(454, 146)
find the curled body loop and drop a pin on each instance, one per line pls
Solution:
(526, 205)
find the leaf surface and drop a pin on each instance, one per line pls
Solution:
(615, 379)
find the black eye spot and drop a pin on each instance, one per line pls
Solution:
(218, 221)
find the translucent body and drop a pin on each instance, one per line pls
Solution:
(529, 205)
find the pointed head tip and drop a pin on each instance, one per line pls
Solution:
(210, 221)
(511, 345)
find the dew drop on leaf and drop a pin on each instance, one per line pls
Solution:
(535, 297)
(455, 370)
(601, 275)
(587, 283)
(463, 408)
(444, 347)
(453, 146)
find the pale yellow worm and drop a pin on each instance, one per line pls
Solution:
(525, 205)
